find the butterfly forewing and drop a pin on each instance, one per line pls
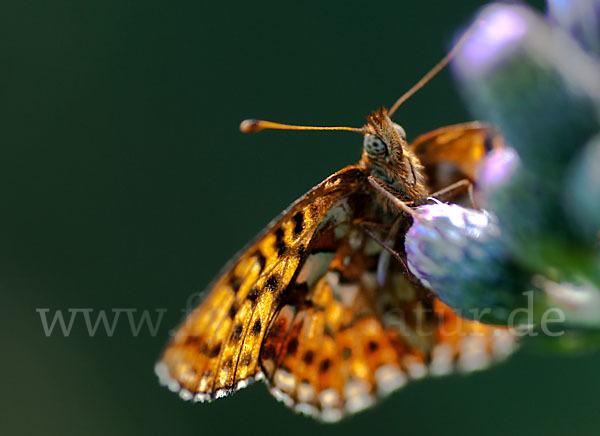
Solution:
(217, 346)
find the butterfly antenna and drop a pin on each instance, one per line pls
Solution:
(436, 69)
(250, 126)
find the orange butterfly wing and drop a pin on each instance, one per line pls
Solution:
(460, 145)
(216, 349)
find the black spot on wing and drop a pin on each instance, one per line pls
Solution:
(346, 353)
(256, 327)
(272, 283)
(246, 358)
(236, 334)
(253, 295)
(298, 220)
(233, 310)
(325, 365)
(328, 332)
(294, 294)
(279, 242)
(372, 346)
(214, 352)
(309, 357)
(193, 340)
(235, 282)
(292, 346)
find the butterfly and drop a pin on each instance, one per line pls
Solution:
(317, 305)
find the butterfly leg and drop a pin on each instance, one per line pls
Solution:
(373, 224)
(383, 264)
(455, 188)
(387, 245)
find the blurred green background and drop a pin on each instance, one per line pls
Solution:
(125, 183)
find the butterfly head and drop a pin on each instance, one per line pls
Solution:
(384, 140)
(386, 154)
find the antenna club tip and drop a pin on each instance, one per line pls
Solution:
(250, 126)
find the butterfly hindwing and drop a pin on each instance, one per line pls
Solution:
(351, 341)
(323, 357)
(216, 349)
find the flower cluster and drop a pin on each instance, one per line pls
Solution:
(537, 79)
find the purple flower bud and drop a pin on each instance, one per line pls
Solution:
(534, 82)
(498, 167)
(500, 28)
(459, 254)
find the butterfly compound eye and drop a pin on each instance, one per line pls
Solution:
(400, 131)
(374, 146)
